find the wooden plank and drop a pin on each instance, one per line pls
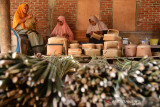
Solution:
(137, 37)
(85, 56)
(124, 15)
(87, 8)
(155, 46)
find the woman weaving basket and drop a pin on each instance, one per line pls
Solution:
(96, 30)
(62, 29)
(20, 20)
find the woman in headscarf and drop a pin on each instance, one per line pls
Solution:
(62, 29)
(20, 17)
(96, 27)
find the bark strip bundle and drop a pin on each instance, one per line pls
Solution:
(128, 83)
(28, 81)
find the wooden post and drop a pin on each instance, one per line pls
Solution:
(5, 26)
(51, 4)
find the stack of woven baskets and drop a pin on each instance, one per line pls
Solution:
(91, 49)
(55, 46)
(112, 44)
(74, 50)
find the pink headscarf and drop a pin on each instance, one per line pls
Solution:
(59, 30)
(100, 26)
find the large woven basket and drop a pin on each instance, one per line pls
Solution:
(31, 23)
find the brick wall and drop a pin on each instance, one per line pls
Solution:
(107, 12)
(67, 8)
(39, 8)
(148, 15)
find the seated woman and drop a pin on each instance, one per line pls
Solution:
(62, 29)
(96, 27)
(20, 17)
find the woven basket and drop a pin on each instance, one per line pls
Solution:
(74, 45)
(55, 49)
(99, 46)
(112, 44)
(113, 31)
(111, 37)
(75, 52)
(88, 46)
(112, 52)
(57, 40)
(96, 36)
(31, 23)
(92, 52)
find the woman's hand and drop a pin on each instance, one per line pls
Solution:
(91, 33)
(25, 18)
(52, 35)
(65, 35)
(99, 32)
(29, 16)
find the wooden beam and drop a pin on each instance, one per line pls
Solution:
(5, 26)
(51, 4)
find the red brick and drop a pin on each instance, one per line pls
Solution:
(68, 9)
(106, 10)
(151, 15)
